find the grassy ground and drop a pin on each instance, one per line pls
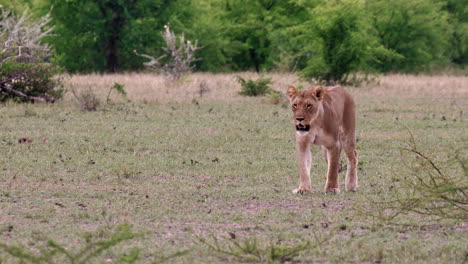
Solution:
(179, 168)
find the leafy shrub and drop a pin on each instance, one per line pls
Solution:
(254, 88)
(25, 82)
(25, 74)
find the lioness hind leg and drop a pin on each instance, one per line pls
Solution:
(351, 180)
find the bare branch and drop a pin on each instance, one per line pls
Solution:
(23, 95)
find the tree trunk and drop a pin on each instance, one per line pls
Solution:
(111, 54)
(115, 20)
(253, 56)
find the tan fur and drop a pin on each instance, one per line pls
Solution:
(325, 117)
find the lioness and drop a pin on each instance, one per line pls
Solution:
(325, 117)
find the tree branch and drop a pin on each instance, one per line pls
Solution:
(34, 99)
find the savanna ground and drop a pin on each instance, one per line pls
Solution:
(180, 166)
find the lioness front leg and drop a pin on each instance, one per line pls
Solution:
(351, 180)
(333, 158)
(304, 162)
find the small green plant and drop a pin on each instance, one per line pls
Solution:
(259, 87)
(119, 88)
(54, 252)
(96, 244)
(87, 100)
(252, 250)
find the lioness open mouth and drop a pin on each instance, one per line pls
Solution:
(302, 127)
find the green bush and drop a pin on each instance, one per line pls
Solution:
(258, 87)
(30, 82)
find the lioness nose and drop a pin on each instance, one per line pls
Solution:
(299, 118)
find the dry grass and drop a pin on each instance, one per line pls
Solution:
(397, 85)
(150, 87)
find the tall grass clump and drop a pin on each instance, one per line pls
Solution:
(87, 99)
(178, 58)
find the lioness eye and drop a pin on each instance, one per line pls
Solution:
(309, 106)
(294, 105)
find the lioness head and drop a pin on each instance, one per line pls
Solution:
(305, 105)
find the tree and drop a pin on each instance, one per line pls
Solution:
(338, 39)
(458, 19)
(416, 30)
(102, 34)
(255, 30)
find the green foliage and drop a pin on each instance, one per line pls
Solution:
(325, 40)
(338, 39)
(36, 80)
(458, 19)
(416, 30)
(256, 31)
(18, 6)
(119, 88)
(259, 87)
(252, 250)
(105, 33)
(248, 32)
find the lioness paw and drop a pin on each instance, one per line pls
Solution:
(332, 190)
(351, 188)
(301, 191)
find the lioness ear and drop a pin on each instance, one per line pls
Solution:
(291, 92)
(318, 93)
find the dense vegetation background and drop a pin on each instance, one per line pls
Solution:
(324, 39)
